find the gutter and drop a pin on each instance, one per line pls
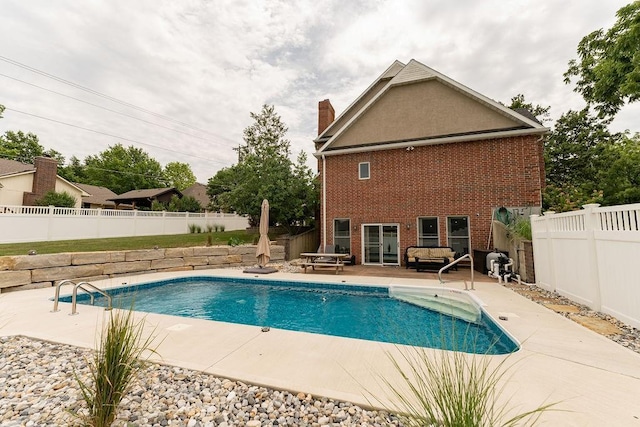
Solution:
(424, 142)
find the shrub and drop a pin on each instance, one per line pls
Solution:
(158, 206)
(234, 241)
(52, 198)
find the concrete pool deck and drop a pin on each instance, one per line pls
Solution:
(596, 380)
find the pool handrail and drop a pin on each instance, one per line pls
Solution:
(82, 285)
(57, 294)
(451, 264)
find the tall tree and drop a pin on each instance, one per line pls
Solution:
(265, 171)
(541, 113)
(575, 153)
(123, 169)
(179, 175)
(74, 171)
(620, 179)
(24, 147)
(608, 68)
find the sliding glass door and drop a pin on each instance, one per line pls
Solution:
(380, 244)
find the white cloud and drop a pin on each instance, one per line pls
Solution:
(209, 64)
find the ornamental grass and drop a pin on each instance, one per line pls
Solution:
(120, 356)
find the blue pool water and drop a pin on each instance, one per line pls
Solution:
(364, 312)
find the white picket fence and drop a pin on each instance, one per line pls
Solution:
(592, 256)
(45, 223)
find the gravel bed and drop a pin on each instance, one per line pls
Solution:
(629, 338)
(38, 388)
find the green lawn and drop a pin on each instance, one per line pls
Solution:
(124, 243)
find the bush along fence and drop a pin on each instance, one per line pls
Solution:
(38, 271)
(591, 257)
(47, 223)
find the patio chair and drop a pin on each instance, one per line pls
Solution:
(328, 249)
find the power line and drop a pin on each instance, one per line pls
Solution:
(85, 166)
(100, 94)
(105, 108)
(113, 136)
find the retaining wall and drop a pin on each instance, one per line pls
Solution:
(37, 271)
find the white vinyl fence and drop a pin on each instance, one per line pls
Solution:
(592, 256)
(44, 223)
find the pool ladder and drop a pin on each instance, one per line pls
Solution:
(451, 264)
(74, 296)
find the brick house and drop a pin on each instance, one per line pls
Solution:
(22, 184)
(420, 159)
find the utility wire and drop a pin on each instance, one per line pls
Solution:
(113, 136)
(107, 109)
(100, 94)
(160, 178)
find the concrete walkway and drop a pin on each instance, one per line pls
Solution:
(596, 380)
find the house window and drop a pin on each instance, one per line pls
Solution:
(342, 235)
(458, 234)
(428, 231)
(363, 170)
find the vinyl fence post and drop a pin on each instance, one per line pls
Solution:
(590, 224)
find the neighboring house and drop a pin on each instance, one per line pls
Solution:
(97, 197)
(23, 184)
(419, 159)
(144, 198)
(199, 192)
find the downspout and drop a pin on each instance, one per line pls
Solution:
(324, 202)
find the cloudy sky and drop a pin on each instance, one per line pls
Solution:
(179, 78)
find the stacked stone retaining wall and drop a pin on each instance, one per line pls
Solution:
(21, 272)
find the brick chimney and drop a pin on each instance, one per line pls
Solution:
(44, 179)
(326, 115)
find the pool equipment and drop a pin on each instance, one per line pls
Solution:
(500, 267)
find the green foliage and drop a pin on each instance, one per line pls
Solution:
(2, 107)
(114, 367)
(575, 154)
(123, 169)
(265, 171)
(574, 149)
(184, 204)
(620, 179)
(520, 228)
(234, 241)
(453, 389)
(25, 148)
(195, 228)
(608, 68)
(158, 206)
(52, 198)
(541, 113)
(568, 198)
(74, 171)
(179, 175)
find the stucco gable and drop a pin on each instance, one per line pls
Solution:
(420, 105)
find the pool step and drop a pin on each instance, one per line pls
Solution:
(442, 300)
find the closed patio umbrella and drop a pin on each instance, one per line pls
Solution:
(263, 251)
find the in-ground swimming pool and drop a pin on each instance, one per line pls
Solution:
(364, 312)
